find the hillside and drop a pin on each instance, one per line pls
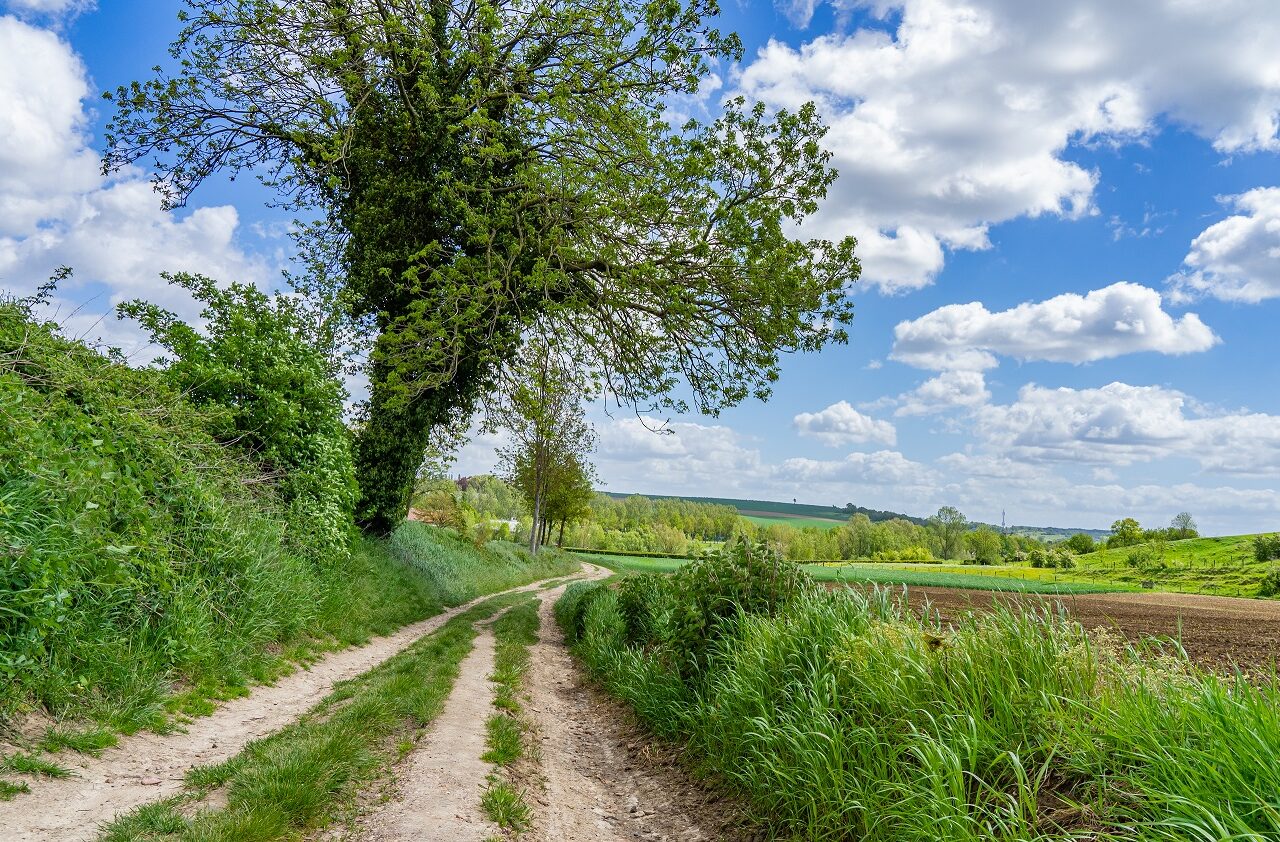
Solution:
(810, 514)
(1224, 566)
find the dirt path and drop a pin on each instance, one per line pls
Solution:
(438, 798)
(1216, 631)
(148, 767)
(601, 781)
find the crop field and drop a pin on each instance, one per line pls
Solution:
(769, 519)
(1014, 579)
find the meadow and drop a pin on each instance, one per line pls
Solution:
(1012, 579)
(1223, 566)
(844, 716)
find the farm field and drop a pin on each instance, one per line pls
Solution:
(769, 519)
(1216, 632)
(1017, 579)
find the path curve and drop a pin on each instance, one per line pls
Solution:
(146, 767)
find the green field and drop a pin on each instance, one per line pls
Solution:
(762, 519)
(1224, 566)
(1018, 579)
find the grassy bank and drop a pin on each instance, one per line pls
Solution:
(1225, 566)
(843, 716)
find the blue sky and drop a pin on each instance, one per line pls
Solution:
(1069, 221)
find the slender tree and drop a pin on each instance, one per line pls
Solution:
(540, 406)
(950, 526)
(463, 169)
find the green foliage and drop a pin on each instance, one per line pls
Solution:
(525, 175)
(1270, 584)
(984, 544)
(847, 716)
(1080, 543)
(268, 392)
(1266, 547)
(1125, 533)
(459, 571)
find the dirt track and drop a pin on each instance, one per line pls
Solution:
(148, 767)
(1216, 631)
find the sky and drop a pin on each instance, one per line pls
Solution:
(1068, 218)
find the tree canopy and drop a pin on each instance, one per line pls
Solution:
(468, 169)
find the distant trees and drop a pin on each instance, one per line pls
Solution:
(1183, 526)
(985, 545)
(1125, 532)
(1080, 543)
(950, 527)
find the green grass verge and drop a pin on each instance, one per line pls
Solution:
(847, 717)
(506, 731)
(307, 775)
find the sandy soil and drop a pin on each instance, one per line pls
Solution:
(148, 767)
(602, 779)
(1217, 631)
(438, 792)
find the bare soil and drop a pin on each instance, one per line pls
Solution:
(1217, 632)
(149, 767)
(603, 779)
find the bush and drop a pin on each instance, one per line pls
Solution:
(133, 547)
(1266, 547)
(269, 393)
(1270, 584)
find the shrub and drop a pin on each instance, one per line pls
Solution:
(1270, 584)
(1266, 547)
(269, 393)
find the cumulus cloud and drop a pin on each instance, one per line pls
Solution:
(1120, 424)
(960, 116)
(1237, 259)
(1123, 318)
(841, 424)
(57, 209)
(881, 468)
(958, 389)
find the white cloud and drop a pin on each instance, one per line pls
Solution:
(1123, 318)
(881, 468)
(57, 209)
(949, 390)
(841, 424)
(961, 116)
(1119, 424)
(1237, 259)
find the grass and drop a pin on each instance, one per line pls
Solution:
(1015, 579)
(506, 732)
(31, 764)
(1224, 566)
(459, 571)
(793, 520)
(91, 741)
(307, 775)
(845, 716)
(8, 789)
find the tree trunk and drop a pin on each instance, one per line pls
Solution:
(560, 540)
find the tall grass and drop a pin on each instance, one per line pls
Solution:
(844, 716)
(460, 571)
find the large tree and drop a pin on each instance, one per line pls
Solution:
(466, 167)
